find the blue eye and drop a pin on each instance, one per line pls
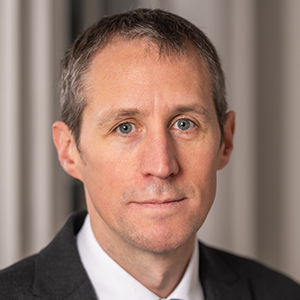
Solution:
(183, 124)
(126, 128)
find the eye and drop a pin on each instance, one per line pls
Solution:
(126, 128)
(184, 124)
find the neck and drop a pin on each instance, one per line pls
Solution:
(159, 272)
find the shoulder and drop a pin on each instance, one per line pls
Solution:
(262, 280)
(55, 270)
(17, 279)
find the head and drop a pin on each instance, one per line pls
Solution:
(172, 35)
(144, 112)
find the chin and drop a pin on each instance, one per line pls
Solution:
(162, 242)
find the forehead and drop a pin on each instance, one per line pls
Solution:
(136, 69)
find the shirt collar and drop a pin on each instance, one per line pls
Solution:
(111, 281)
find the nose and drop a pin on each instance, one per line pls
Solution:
(159, 156)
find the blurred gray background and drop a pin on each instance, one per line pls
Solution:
(257, 208)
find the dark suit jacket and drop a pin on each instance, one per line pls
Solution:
(56, 273)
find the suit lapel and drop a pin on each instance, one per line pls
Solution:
(218, 280)
(59, 273)
(84, 291)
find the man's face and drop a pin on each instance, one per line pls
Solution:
(149, 147)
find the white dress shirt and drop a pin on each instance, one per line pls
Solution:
(112, 282)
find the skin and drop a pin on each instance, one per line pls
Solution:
(149, 153)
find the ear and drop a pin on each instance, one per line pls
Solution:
(67, 151)
(227, 144)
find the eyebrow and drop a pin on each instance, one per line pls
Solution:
(116, 114)
(198, 108)
(119, 113)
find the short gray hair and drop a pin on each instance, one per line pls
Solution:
(170, 32)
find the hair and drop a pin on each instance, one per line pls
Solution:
(171, 33)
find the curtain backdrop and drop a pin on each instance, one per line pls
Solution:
(257, 207)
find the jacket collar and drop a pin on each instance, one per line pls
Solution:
(219, 280)
(59, 273)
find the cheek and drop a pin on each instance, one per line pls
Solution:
(199, 170)
(119, 167)
(107, 174)
(200, 160)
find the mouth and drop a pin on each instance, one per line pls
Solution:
(159, 203)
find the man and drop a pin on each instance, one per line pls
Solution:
(145, 127)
